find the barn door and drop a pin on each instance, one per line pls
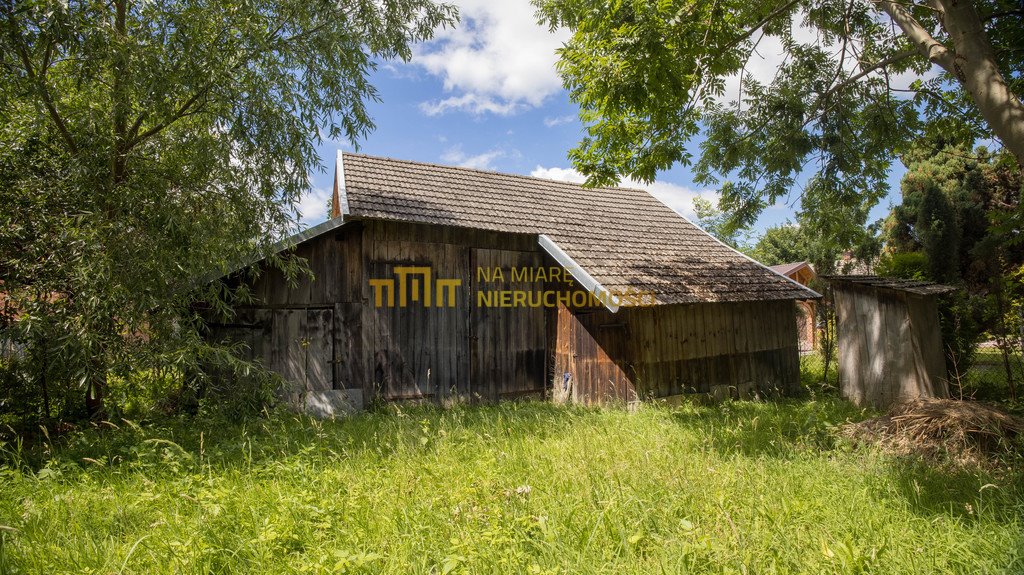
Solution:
(303, 349)
(507, 344)
(418, 352)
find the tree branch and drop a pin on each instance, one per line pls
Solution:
(181, 112)
(994, 15)
(926, 45)
(869, 69)
(186, 109)
(750, 32)
(41, 87)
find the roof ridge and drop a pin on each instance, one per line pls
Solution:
(495, 172)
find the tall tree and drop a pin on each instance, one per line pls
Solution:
(781, 245)
(938, 229)
(790, 242)
(961, 209)
(717, 223)
(650, 76)
(147, 143)
(959, 222)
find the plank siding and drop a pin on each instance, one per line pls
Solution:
(890, 345)
(436, 353)
(324, 332)
(674, 350)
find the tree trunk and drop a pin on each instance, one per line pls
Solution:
(44, 385)
(96, 387)
(971, 61)
(1003, 339)
(826, 311)
(975, 67)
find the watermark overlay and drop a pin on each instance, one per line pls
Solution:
(411, 291)
(417, 285)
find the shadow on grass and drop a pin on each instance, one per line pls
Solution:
(965, 493)
(785, 428)
(777, 428)
(177, 443)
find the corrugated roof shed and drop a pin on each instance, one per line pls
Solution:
(910, 286)
(624, 238)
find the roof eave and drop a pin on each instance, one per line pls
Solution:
(280, 246)
(603, 294)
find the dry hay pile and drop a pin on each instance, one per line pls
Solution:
(963, 432)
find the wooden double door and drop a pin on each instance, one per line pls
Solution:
(508, 344)
(470, 349)
(312, 348)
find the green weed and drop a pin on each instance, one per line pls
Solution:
(515, 488)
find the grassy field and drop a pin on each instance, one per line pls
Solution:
(530, 488)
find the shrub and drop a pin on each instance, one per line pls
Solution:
(907, 265)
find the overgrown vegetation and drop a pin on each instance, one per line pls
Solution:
(519, 487)
(145, 146)
(958, 223)
(945, 431)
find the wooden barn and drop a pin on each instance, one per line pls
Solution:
(434, 282)
(890, 343)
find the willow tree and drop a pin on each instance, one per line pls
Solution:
(145, 144)
(650, 76)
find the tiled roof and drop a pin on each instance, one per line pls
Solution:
(624, 238)
(786, 269)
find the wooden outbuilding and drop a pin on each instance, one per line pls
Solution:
(806, 310)
(433, 282)
(890, 343)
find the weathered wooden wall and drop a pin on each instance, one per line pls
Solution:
(720, 349)
(890, 345)
(325, 332)
(435, 353)
(309, 332)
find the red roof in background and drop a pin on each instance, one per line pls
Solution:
(786, 269)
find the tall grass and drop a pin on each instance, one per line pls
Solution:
(520, 487)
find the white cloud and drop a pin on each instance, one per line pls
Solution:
(679, 198)
(472, 103)
(400, 72)
(496, 60)
(560, 174)
(483, 161)
(551, 122)
(314, 207)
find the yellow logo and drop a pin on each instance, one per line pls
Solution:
(417, 284)
(385, 288)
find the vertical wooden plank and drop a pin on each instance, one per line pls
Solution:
(368, 313)
(288, 357)
(738, 313)
(319, 348)
(317, 258)
(348, 347)
(929, 356)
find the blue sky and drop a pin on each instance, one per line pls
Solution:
(486, 95)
